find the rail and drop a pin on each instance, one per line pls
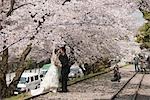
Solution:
(138, 88)
(115, 95)
(136, 92)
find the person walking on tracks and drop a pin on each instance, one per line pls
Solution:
(117, 75)
(136, 63)
(65, 68)
(142, 64)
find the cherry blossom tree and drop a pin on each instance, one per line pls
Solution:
(93, 31)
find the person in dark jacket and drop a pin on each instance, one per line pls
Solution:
(136, 63)
(148, 62)
(65, 68)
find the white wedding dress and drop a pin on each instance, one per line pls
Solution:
(51, 80)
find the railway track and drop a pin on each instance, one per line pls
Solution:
(135, 95)
(138, 88)
(144, 91)
(75, 82)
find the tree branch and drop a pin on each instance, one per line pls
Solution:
(12, 2)
(23, 5)
(21, 68)
(31, 38)
(2, 2)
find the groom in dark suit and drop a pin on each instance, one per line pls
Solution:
(65, 68)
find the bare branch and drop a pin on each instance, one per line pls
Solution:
(31, 38)
(12, 44)
(23, 5)
(12, 2)
(2, 2)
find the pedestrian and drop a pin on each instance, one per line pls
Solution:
(142, 64)
(65, 68)
(117, 74)
(148, 62)
(136, 63)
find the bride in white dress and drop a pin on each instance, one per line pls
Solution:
(51, 80)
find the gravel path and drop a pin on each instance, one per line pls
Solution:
(97, 88)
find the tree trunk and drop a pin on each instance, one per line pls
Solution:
(5, 60)
(9, 91)
(3, 71)
(6, 91)
(3, 84)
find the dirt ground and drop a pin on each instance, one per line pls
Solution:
(101, 87)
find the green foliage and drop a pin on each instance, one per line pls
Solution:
(30, 64)
(144, 36)
(18, 97)
(146, 15)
